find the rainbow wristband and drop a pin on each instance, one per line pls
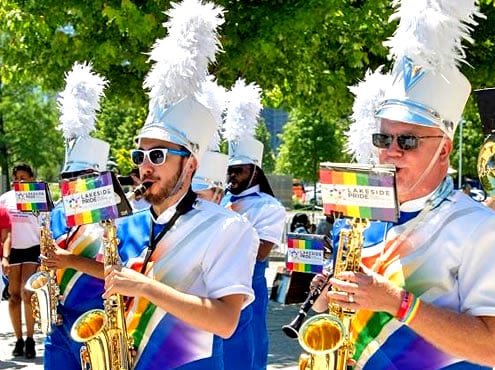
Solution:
(404, 306)
(409, 308)
(411, 313)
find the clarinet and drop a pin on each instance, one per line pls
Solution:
(140, 190)
(292, 329)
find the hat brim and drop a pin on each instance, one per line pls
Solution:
(159, 133)
(405, 113)
(200, 186)
(235, 161)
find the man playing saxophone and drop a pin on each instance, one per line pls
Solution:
(194, 259)
(77, 253)
(425, 293)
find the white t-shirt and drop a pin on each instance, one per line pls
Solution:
(25, 225)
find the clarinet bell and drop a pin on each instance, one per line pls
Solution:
(292, 329)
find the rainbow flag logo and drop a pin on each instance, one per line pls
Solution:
(359, 191)
(305, 252)
(32, 197)
(89, 199)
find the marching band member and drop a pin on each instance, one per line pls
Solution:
(250, 195)
(194, 258)
(425, 296)
(77, 255)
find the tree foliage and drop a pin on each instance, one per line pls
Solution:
(303, 53)
(308, 140)
(30, 130)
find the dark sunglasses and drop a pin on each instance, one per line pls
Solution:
(405, 142)
(156, 156)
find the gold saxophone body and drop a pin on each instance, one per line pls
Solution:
(326, 338)
(107, 345)
(44, 286)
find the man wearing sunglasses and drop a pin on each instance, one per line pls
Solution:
(425, 297)
(250, 194)
(194, 260)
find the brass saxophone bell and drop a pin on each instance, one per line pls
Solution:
(322, 334)
(486, 165)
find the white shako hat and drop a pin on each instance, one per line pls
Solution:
(212, 171)
(180, 67)
(78, 104)
(428, 89)
(368, 95)
(242, 113)
(425, 97)
(246, 151)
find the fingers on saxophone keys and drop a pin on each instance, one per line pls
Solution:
(347, 286)
(344, 298)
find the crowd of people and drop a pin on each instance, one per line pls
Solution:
(194, 251)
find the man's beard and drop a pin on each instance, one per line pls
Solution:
(163, 192)
(241, 186)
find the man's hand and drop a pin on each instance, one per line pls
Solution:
(57, 258)
(124, 281)
(365, 290)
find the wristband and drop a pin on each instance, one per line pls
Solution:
(404, 305)
(409, 308)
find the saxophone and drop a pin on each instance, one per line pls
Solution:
(326, 337)
(44, 286)
(107, 345)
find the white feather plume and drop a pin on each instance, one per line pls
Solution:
(214, 97)
(243, 110)
(181, 58)
(431, 32)
(79, 102)
(368, 93)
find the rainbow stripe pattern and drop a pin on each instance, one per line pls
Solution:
(305, 252)
(363, 192)
(89, 199)
(32, 196)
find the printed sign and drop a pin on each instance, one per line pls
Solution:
(90, 199)
(359, 191)
(32, 196)
(306, 252)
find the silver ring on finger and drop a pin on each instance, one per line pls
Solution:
(350, 297)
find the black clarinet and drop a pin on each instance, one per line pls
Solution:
(292, 329)
(140, 190)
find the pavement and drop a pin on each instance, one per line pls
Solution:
(283, 352)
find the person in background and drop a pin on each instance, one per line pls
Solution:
(324, 227)
(5, 244)
(21, 263)
(466, 188)
(300, 224)
(249, 193)
(209, 180)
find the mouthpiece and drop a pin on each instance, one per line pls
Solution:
(140, 190)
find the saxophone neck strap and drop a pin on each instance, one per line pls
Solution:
(184, 206)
